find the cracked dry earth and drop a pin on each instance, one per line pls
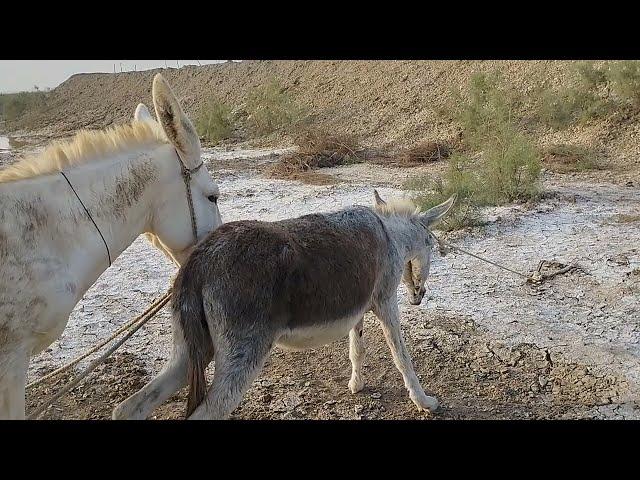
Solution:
(485, 343)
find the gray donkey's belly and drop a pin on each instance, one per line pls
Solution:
(316, 335)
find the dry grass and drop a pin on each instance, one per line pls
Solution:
(564, 158)
(424, 152)
(626, 218)
(316, 149)
(419, 154)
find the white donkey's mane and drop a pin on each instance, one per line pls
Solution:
(86, 146)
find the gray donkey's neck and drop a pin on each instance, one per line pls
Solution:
(405, 233)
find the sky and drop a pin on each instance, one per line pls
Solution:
(21, 75)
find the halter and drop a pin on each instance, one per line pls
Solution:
(186, 176)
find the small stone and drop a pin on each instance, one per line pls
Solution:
(267, 397)
(376, 395)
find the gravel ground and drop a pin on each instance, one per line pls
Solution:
(488, 345)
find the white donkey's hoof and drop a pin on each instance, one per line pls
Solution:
(424, 402)
(356, 384)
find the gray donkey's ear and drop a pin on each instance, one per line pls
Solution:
(436, 213)
(379, 200)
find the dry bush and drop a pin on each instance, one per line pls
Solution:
(316, 149)
(424, 152)
(328, 150)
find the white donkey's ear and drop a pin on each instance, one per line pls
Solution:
(142, 113)
(379, 201)
(436, 213)
(177, 127)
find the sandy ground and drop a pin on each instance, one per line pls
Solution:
(484, 342)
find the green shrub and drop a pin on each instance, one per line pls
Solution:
(559, 109)
(488, 108)
(460, 179)
(625, 80)
(510, 168)
(589, 76)
(214, 122)
(589, 96)
(270, 108)
(510, 165)
(14, 105)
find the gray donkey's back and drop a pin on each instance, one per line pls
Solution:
(260, 281)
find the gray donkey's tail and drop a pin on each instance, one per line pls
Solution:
(188, 310)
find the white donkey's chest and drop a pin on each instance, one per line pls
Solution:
(312, 336)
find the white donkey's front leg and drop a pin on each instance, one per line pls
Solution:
(356, 355)
(387, 313)
(13, 379)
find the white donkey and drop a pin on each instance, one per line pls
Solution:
(297, 283)
(68, 212)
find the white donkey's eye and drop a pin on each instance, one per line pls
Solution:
(213, 198)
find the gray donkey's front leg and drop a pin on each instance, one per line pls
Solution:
(356, 355)
(387, 313)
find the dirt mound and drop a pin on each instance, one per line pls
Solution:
(384, 102)
(393, 104)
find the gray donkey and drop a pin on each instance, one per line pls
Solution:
(296, 283)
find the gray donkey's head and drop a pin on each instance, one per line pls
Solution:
(418, 256)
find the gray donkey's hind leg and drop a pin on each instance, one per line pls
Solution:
(172, 377)
(238, 361)
(356, 355)
(387, 313)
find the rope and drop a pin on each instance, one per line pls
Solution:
(97, 347)
(529, 278)
(97, 362)
(90, 217)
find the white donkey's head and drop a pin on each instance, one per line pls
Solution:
(187, 209)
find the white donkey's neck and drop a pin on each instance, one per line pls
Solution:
(118, 192)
